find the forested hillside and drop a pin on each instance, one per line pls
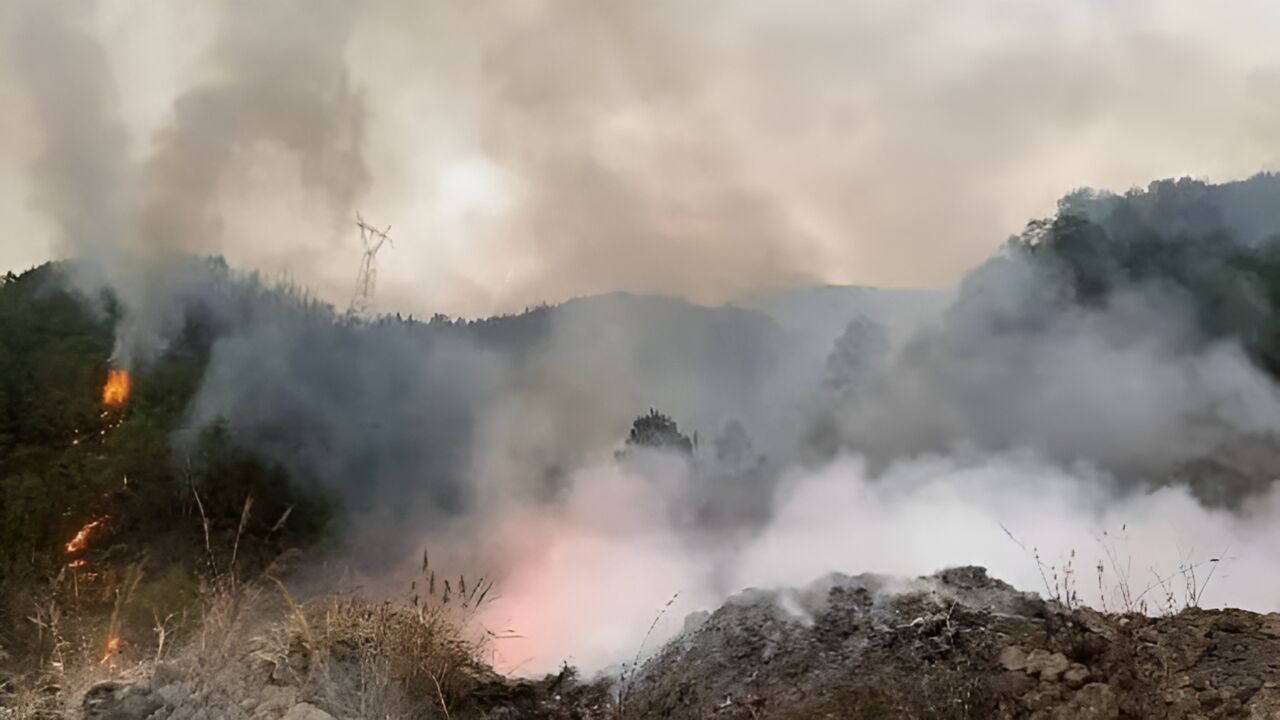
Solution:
(93, 489)
(1211, 249)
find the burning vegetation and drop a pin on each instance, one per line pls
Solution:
(110, 647)
(115, 393)
(80, 541)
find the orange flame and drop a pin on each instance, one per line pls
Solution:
(111, 647)
(81, 539)
(116, 391)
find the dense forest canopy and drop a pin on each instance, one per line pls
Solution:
(1213, 248)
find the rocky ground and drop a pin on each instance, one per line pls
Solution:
(958, 644)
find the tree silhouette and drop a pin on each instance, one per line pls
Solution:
(659, 432)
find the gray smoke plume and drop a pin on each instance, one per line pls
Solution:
(82, 177)
(275, 79)
(1118, 386)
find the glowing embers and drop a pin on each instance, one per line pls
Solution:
(80, 541)
(115, 393)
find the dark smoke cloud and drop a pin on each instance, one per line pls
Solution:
(382, 417)
(416, 426)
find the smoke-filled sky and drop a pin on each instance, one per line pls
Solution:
(534, 151)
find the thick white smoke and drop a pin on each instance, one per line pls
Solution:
(589, 578)
(1041, 440)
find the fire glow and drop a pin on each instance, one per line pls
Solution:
(81, 539)
(116, 392)
(110, 647)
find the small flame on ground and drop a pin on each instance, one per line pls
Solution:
(81, 539)
(111, 647)
(116, 392)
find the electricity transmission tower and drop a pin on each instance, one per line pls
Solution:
(366, 279)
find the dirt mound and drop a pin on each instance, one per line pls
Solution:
(957, 645)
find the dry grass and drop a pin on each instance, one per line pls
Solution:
(370, 658)
(73, 617)
(384, 658)
(1119, 588)
(27, 701)
(354, 656)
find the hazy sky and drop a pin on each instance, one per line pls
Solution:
(526, 151)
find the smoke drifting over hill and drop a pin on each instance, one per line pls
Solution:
(493, 442)
(1079, 381)
(537, 151)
